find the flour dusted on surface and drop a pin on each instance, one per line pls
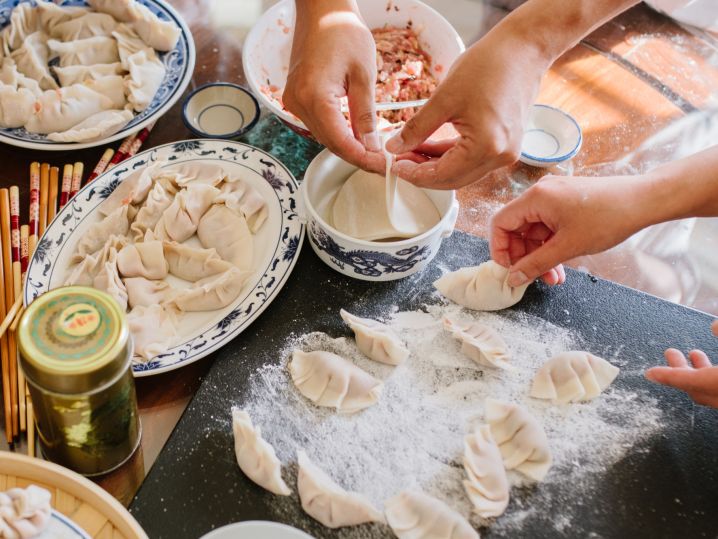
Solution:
(413, 437)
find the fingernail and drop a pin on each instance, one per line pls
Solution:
(517, 278)
(649, 376)
(395, 143)
(371, 142)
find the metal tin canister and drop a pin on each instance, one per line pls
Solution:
(76, 353)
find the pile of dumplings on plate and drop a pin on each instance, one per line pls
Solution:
(142, 238)
(78, 74)
(511, 439)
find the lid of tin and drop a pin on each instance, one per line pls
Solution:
(73, 340)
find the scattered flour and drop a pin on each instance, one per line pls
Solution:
(413, 437)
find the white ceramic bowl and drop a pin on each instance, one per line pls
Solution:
(220, 110)
(551, 136)
(256, 529)
(366, 260)
(266, 50)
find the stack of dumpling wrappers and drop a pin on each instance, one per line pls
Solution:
(78, 74)
(142, 238)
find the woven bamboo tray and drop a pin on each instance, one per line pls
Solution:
(88, 505)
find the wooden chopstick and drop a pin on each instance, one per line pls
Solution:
(122, 151)
(11, 315)
(77, 172)
(5, 225)
(18, 316)
(44, 197)
(102, 165)
(34, 213)
(5, 357)
(137, 143)
(17, 289)
(24, 251)
(54, 184)
(30, 425)
(66, 185)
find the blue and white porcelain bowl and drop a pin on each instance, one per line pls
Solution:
(366, 260)
(220, 110)
(551, 137)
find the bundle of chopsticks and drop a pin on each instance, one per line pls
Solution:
(17, 245)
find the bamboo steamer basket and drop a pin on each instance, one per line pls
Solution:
(82, 501)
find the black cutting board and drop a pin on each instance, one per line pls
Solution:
(667, 487)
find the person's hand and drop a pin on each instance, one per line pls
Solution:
(700, 380)
(334, 55)
(487, 95)
(561, 218)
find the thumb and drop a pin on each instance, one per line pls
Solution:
(419, 127)
(362, 111)
(534, 265)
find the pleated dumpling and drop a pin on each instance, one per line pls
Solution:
(86, 52)
(329, 380)
(16, 106)
(90, 25)
(150, 213)
(484, 287)
(181, 219)
(145, 259)
(414, 515)
(158, 34)
(193, 172)
(227, 231)
(117, 223)
(119, 9)
(193, 264)
(143, 292)
(481, 343)
(520, 437)
(133, 189)
(24, 20)
(376, 341)
(62, 109)
(51, 14)
(255, 456)
(86, 271)
(215, 292)
(112, 87)
(128, 43)
(154, 330)
(31, 60)
(78, 74)
(146, 75)
(96, 127)
(245, 200)
(487, 486)
(108, 280)
(327, 502)
(25, 513)
(573, 377)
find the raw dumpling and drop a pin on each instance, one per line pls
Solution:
(150, 213)
(154, 330)
(327, 502)
(16, 106)
(144, 293)
(146, 75)
(108, 280)
(101, 125)
(481, 343)
(487, 486)
(376, 341)
(128, 43)
(117, 223)
(112, 86)
(78, 74)
(86, 271)
(62, 109)
(24, 512)
(119, 9)
(31, 60)
(329, 380)
(520, 437)
(158, 34)
(51, 14)
(245, 200)
(133, 188)
(86, 52)
(414, 515)
(90, 25)
(256, 457)
(215, 292)
(227, 231)
(573, 377)
(192, 173)
(192, 264)
(484, 287)
(24, 20)
(181, 219)
(145, 259)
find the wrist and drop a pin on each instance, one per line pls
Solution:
(315, 10)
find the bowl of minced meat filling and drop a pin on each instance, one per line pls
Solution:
(415, 47)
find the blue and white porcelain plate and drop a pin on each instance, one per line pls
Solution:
(62, 526)
(179, 66)
(276, 244)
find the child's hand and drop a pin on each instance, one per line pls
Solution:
(700, 381)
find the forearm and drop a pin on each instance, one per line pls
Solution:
(312, 11)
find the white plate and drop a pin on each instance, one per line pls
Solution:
(179, 66)
(276, 245)
(61, 526)
(256, 529)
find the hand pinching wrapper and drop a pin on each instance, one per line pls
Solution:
(76, 352)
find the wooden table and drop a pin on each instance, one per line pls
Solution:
(626, 82)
